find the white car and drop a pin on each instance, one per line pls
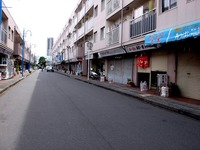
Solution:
(49, 68)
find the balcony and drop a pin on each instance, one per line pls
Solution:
(81, 13)
(17, 49)
(89, 4)
(89, 24)
(113, 36)
(75, 20)
(80, 31)
(143, 25)
(74, 37)
(3, 36)
(79, 52)
(112, 5)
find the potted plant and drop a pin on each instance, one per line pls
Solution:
(17, 69)
(174, 89)
(130, 83)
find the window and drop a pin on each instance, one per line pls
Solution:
(95, 37)
(12, 38)
(168, 4)
(188, 1)
(4, 61)
(138, 12)
(95, 11)
(102, 33)
(9, 32)
(102, 5)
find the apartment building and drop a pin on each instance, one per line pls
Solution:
(127, 44)
(11, 47)
(49, 45)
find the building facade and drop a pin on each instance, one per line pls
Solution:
(49, 46)
(11, 47)
(127, 44)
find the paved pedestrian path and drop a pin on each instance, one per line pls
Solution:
(185, 106)
(5, 84)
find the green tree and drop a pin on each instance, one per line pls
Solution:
(42, 61)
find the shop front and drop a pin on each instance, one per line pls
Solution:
(179, 57)
(6, 64)
(188, 69)
(118, 65)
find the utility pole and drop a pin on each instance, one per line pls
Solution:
(23, 45)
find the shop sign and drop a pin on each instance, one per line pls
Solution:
(142, 61)
(90, 56)
(134, 48)
(111, 52)
(174, 34)
(137, 47)
(74, 60)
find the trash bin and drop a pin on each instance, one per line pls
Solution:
(143, 86)
(164, 91)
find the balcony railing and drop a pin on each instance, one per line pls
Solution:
(3, 36)
(144, 24)
(112, 5)
(89, 4)
(75, 20)
(80, 31)
(17, 49)
(81, 13)
(89, 24)
(112, 37)
(74, 36)
(79, 52)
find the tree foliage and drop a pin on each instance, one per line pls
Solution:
(42, 61)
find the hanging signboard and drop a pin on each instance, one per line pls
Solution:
(142, 61)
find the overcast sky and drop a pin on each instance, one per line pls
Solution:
(44, 18)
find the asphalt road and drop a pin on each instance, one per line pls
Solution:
(49, 111)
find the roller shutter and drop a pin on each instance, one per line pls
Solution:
(188, 74)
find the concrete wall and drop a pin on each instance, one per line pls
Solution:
(183, 13)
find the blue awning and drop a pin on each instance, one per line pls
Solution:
(173, 34)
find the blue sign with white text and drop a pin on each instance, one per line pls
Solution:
(174, 34)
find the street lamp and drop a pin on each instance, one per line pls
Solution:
(29, 68)
(23, 43)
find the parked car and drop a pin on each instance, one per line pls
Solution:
(50, 68)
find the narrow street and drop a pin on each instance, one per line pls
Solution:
(49, 111)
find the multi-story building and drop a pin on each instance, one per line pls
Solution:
(11, 47)
(128, 45)
(49, 46)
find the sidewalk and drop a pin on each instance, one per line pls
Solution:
(5, 84)
(180, 105)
